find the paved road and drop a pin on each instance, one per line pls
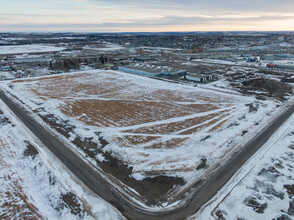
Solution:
(98, 185)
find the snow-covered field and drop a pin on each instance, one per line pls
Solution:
(4, 42)
(33, 189)
(33, 48)
(107, 47)
(155, 127)
(6, 75)
(215, 61)
(239, 63)
(263, 188)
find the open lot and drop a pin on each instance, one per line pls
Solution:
(144, 131)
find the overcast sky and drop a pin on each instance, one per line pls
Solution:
(146, 15)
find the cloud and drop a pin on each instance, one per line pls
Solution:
(168, 21)
(177, 20)
(129, 15)
(210, 5)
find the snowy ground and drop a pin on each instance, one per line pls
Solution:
(33, 48)
(285, 62)
(107, 47)
(215, 61)
(158, 48)
(239, 63)
(152, 126)
(263, 188)
(32, 188)
(4, 42)
(6, 75)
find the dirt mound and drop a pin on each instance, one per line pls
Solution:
(270, 87)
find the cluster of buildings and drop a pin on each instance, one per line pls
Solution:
(4, 65)
(180, 74)
(151, 55)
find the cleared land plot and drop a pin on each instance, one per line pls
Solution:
(143, 127)
(141, 115)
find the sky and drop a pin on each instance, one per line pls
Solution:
(146, 15)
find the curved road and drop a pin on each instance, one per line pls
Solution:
(101, 187)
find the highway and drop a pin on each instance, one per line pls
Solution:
(95, 182)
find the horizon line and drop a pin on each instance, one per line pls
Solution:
(129, 32)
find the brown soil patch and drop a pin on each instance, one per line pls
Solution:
(193, 130)
(123, 113)
(17, 205)
(169, 128)
(219, 125)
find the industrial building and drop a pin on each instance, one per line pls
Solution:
(152, 73)
(198, 78)
(136, 71)
(172, 74)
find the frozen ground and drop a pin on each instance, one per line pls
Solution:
(152, 126)
(33, 48)
(33, 189)
(263, 188)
